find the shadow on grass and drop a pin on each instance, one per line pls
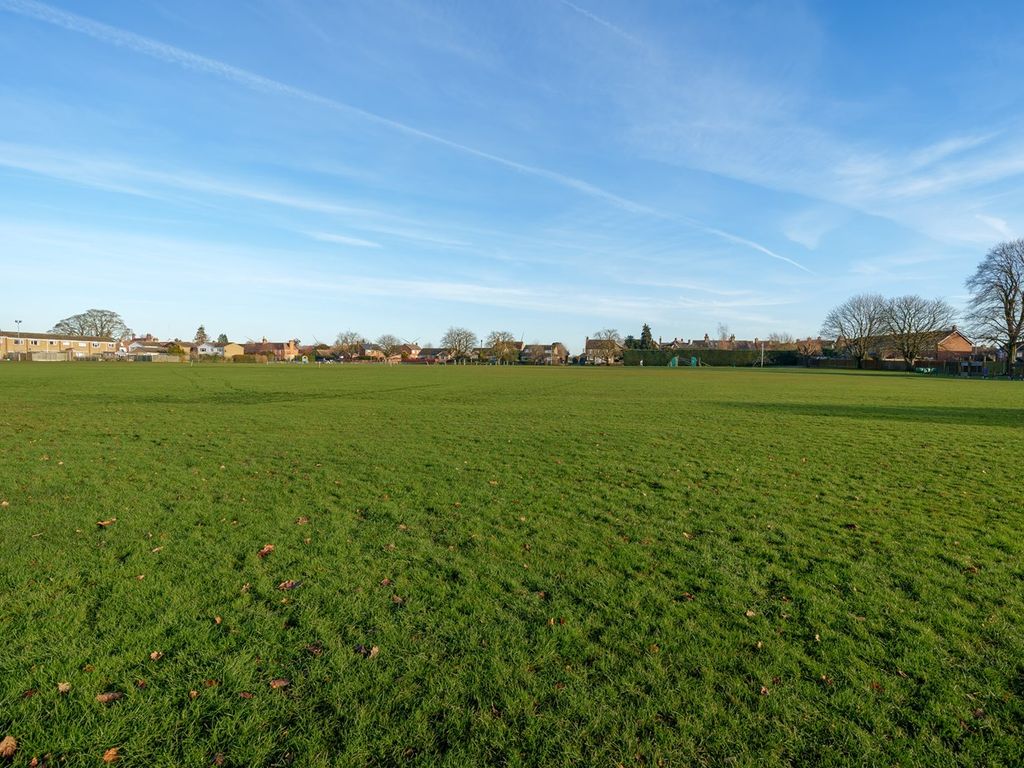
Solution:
(977, 417)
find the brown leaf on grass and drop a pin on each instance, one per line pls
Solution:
(386, 582)
(218, 759)
(106, 523)
(267, 549)
(109, 697)
(302, 521)
(245, 695)
(193, 694)
(390, 547)
(876, 686)
(63, 688)
(29, 693)
(397, 600)
(88, 668)
(764, 691)
(280, 682)
(687, 535)
(140, 684)
(654, 648)
(5, 503)
(750, 613)
(8, 746)
(373, 652)
(217, 620)
(211, 683)
(403, 527)
(289, 584)
(111, 755)
(688, 596)
(154, 550)
(140, 577)
(365, 652)
(851, 526)
(156, 655)
(314, 649)
(826, 680)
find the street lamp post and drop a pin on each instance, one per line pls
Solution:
(18, 323)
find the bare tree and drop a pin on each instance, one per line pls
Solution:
(856, 323)
(723, 332)
(996, 309)
(503, 345)
(94, 322)
(608, 343)
(912, 324)
(459, 342)
(388, 344)
(781, 340)
(348, 342)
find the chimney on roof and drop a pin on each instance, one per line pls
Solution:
(264, 339)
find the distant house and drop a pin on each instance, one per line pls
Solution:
(281, 351)
(942, 345)
(544, 354)
(372, 351)
(435, 354)
(601, 351)
(31, 345)
(231, 349)
(210, 349)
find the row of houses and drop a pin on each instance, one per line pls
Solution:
(944, 345)
(941, 345)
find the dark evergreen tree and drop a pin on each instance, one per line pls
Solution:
(646, 339)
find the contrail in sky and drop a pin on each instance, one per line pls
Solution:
(174, 55)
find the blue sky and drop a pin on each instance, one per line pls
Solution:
(294, 168)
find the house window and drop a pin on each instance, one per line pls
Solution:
(35, 342)
(95, 344)
(17, 341)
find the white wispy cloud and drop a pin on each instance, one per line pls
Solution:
(253, 81)
(998, 225)
(329, 237)
(603, 22)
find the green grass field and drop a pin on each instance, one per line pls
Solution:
(507, 566)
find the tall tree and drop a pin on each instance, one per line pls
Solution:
(388, 344)
(200, 337)
(94, 322)
(459, 342)
(222, 339)
(503, 346)
(608, 344)
(646, 338)
(348, 342)
(912, 323)
(856, 323)
(996, 308)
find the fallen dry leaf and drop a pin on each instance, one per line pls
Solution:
(5, 503)
(267, 549)
(140, 577)
(106, 523)
(218, 759)
(8, 746)
(386, 582)
(397, 600)
(280, 682)
(156, 655)
(109, 697)
(193, 694)
(302, 520)
(403, 527)
(750, 614)
(28, 694)
(245, 695)
(373, 652)
(63, 687)
(217, 620)
(111, 755)
(764, 691)
(211, 683)
(314, 649)
(140, 684)
(289, 584)
(154, 550)
(876, 686)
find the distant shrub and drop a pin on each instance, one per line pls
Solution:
(249, 359)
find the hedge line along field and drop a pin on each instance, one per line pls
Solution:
(370, 566)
